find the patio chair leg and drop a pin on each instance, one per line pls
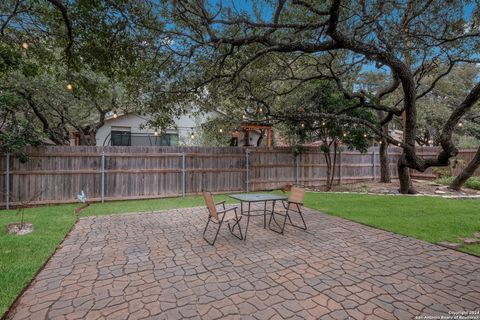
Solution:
(216, 234)
(303, 220)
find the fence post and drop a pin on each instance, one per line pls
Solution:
(7, 181)
(102, 177)
(247, 170)
(339, 167)
(296, 169)
(374, 173)
(183, 174)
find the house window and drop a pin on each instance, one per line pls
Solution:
(121, 138)
(166, 139)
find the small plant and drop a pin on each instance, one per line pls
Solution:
(365, 188)
(442, 172)
(444, 180)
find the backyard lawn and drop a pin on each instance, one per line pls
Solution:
(427, 218)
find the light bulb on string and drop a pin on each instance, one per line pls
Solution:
(192, 135)
(344, 134)
(115, 115)
(156, 132)
(460, 124)
(323, 123)
(364, 135)
(69, 87)
(220, 130)
(302, 124)
(244, 116)
(25, 45)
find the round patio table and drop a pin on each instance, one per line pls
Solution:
(250, 198)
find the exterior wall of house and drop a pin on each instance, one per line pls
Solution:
(133, 123)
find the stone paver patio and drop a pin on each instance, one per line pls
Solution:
(158, 266)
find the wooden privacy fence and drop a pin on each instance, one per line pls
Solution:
(57, 174)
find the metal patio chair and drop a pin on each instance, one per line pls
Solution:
(293, 204)
(218, 217)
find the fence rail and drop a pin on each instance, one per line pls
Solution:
(113, 173)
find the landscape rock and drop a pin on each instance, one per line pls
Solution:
(471, 240)
(450, 245)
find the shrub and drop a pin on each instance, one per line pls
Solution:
(472, 182)
(441, 172)
(444, 180)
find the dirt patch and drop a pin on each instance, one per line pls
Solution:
(425, 187)
(19, 229)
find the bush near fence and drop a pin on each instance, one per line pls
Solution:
(119, 173)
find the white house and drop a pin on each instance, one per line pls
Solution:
(131, 130)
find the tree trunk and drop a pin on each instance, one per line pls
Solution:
(406, 186)
(467, 172)
(384, 161)
(334, 164)
(328, 160)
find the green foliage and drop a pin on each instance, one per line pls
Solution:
(15, 139)
(114, 65)
(441, 172)
(471, 183)
(309, 124)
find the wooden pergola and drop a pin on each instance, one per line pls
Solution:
(252, 127)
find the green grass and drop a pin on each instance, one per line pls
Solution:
(432, 219)
(427, 218)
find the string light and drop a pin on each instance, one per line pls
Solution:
(380, 142)
(260, 110)
(25, 45)
(192, 135)
(115, 115)
(220, 130)
(323, 123)
(302, 124)
(430, 141)
(460, 124)
(244, 116)
(69, 87)
(344, 134)
(156, 132)
(364, 135)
